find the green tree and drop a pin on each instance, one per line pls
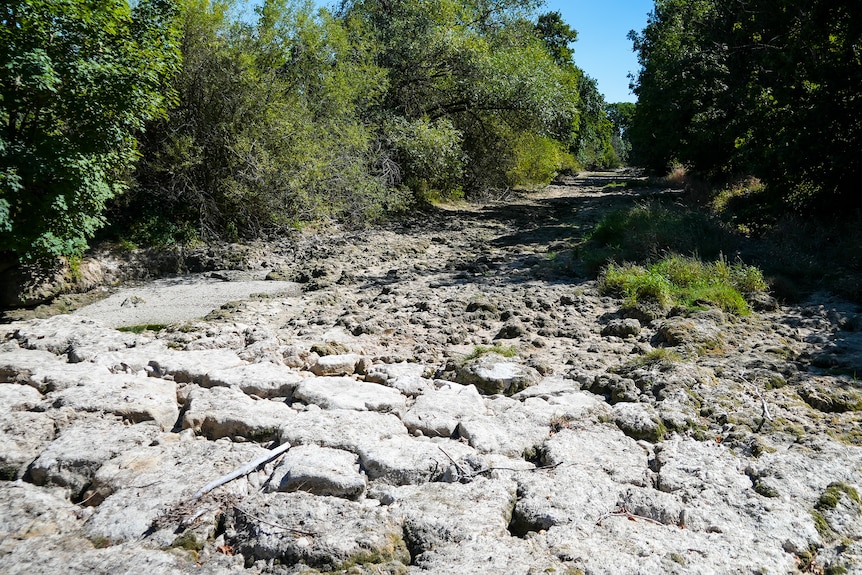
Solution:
(755, 87)
(269, 130)
(476, 72)
(80, 80)
(594, 132)
(621, 115)
(558, 37)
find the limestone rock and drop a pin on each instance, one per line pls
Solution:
(348, 393)
(622, 328)
(340, 428)
(134, 398)
(194, 366)
(264, 379)
(403, 460)
(74, 457)
(227, 412)
(639, 421)
(336, 364)
(23, 435)
(136, 491)
(332, 533)
(30, 512)
(437, 413)
(319, 470)
(436, 514)
(18, 398)
(493, 373)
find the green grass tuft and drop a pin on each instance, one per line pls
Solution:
(480, 350)
(684, 281)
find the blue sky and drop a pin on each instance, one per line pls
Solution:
(602, 49)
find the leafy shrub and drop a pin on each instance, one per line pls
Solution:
(80, 80)
(536, 160)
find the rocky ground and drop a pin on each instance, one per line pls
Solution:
(453, 396)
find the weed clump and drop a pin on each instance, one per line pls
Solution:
(683, 281)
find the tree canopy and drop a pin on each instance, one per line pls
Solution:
(80, 81)
(755, 87)
(202, 119)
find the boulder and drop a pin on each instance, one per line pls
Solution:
(437, 413)
(492, 373)
(319, 470)
(340, 428)
(23, 435)
(404, 460)
(147, 490)
(227, 412)
(348, 393)
(261, 379)
(336, 365)
(325, 533)
(134, 398)
(74, 457)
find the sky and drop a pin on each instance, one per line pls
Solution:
(602, 49)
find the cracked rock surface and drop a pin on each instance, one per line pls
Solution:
(457, 398)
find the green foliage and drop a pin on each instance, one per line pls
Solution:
(593, 137)
(480, 350)
(764, 88)
(621, 116)
(480, 66)
(80, 81)
(268, 131)
(678, 280)
(536, 160)
(646, 231)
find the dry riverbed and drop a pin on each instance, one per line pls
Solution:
(457, 398)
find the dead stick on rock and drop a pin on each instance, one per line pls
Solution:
(244, 470)
(766, 414)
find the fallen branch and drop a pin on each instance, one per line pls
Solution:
(244, 470)
(765, 414)
(271, 524)
(623, 512)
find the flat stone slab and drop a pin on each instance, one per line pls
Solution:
(261, 379)
(348, 393)
(330, 533)
(173, 300)
(404, 460)
(134, 398)
(23, 435)
(340, 429)
(319, 470)
(228, 412)
(74, 457)
(437, 413)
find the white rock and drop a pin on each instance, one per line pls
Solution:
(227, 412)
(194, 366)
(74, 457)
(319, 470)
(335, 531)
(18, 397)
(133, 398)
(403, 460)
(23, 435)
(143, 484)
(341, 429)
(336, 364)
(261, 379)
(347, 393)
(438, 412)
